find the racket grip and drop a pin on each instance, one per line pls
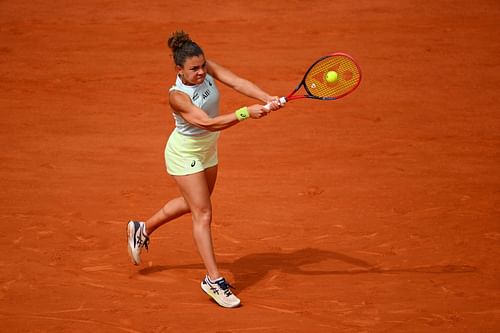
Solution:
(282, 101)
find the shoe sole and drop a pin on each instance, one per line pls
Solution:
(131, 231)
(218, 300)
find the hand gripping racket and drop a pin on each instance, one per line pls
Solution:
(331, 77)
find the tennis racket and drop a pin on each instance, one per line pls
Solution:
(331, 77)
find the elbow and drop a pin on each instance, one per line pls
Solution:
(209, 125)
(212, 129)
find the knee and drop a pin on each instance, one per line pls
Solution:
(202, 216)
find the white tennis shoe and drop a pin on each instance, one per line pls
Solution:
(137, 239)
(220, 292)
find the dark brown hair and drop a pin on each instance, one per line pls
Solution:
(183, 47)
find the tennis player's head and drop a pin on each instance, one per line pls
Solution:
(188, 57)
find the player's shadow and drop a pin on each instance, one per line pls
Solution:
(250, 269)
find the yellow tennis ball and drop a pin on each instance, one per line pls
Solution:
(332, 76)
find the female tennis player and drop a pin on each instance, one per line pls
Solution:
(191, 153)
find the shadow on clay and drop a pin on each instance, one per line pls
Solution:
(250, 269)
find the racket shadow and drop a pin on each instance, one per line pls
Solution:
(249, 270)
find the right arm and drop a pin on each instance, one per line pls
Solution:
(181, 104)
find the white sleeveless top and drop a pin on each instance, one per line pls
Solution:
(205, 96)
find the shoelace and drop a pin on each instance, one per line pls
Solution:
(224, 285)
(143, 240)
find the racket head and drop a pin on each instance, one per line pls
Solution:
(348, 77)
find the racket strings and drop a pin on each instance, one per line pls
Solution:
(348, 77)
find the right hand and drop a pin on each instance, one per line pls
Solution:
(257, 111)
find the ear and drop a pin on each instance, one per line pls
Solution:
(178, 69)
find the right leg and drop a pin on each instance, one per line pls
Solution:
(196, 189)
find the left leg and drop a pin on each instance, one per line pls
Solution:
(177, 206)
(139, 232)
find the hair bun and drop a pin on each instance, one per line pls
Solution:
(178, 39)
(183, 47)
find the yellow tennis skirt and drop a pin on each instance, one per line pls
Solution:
(185, 155)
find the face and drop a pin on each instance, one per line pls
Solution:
(194, 70)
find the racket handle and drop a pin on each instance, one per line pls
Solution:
(282, 101)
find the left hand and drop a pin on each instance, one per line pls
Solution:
(274, 103)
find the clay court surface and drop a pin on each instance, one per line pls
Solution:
(379, 212)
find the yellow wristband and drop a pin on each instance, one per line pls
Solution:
(242, 114)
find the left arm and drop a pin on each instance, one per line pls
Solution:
(237, 83)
